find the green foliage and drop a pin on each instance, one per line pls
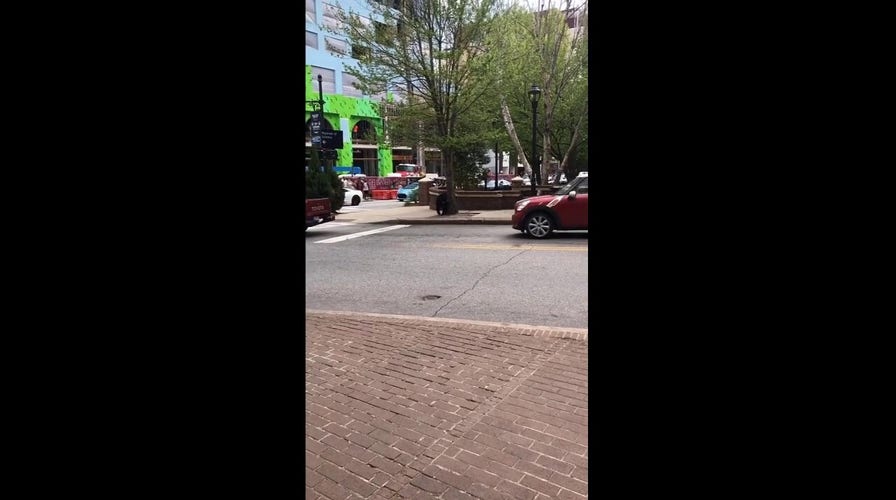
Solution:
(467, 169)
(542, 50)
(324, 184)
(434, 50)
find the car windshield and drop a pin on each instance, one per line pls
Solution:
(412, 185)
(581, 181)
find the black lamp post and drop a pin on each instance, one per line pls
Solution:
(320, 101)
(320, 92)
(534, 94)
(496, 124)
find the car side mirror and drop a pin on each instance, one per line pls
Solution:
(572, 195)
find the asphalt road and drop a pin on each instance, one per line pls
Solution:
(477, 272)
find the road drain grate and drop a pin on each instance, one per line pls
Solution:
(431, 297)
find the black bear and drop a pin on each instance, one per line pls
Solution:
(442, 204)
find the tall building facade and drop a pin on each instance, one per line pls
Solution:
(362, 119)
(346, 109)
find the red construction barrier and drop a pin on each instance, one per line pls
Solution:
(384, 194)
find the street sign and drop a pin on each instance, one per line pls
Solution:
(328, 155)
(332, 139)
(315, 139)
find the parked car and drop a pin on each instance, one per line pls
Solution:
(567, 209)
(352, 196)
(502, 184)
(409, 192)
(562, 179)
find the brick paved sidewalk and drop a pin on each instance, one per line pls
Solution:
(406, 407)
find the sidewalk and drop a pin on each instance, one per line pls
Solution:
(418, 407)
(421, 214)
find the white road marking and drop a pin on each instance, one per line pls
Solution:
(334, 223)
(362, 233)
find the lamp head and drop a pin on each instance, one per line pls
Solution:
(534, 94)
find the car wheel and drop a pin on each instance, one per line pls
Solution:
(356, 200)
(539, 225)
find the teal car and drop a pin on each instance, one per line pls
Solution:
(409, 192)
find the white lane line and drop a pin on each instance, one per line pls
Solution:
(362, 233)
(330, 224)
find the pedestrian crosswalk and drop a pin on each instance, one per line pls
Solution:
(333, 224)
(337, 239)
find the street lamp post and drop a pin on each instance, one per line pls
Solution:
(320, 92)
(534, 94)
(320, 103)
(496, 124)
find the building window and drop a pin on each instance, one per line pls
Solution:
(328, 78)
(348, 86)
(331, 17)
(337, 46)
(311, 39)
(360, 53)
(310, 12)
(395, 4)
(384, 33)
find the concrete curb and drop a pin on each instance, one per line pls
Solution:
(490, 222)
(535, 331)
(424, 215)
(446, 220)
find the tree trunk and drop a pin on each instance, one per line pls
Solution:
(573, 146)
(546, 141)
(511, 131)
(451, 209)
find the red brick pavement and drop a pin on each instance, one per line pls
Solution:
(412, 407)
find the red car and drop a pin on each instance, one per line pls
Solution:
(567, 209)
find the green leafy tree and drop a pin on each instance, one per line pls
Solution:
(549, 49)
(468, 166)
(324, 184)
(435, 50)
(470, 145)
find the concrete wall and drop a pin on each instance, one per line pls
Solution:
(481, 200)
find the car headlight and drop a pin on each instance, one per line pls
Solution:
(521, 204)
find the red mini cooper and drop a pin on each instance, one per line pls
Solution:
(539, 216)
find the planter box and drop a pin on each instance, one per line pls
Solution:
(482, 200)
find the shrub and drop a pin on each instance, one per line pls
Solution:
(324, 183)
